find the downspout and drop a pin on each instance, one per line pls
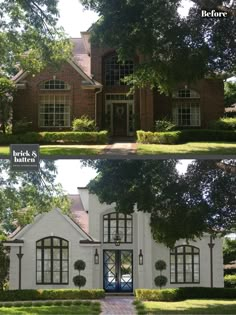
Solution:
(96, 93)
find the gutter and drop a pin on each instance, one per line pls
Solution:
(96, 94)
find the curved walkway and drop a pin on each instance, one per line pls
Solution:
(118, 305)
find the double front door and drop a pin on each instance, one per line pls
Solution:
(118, 270)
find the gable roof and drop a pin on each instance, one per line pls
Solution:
(80, 61)
(39, 217)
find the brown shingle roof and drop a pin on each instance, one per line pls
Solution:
(79, 215)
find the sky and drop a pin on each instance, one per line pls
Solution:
(75, 19)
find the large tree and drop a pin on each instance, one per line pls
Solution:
(29, 36)
(229, 250)
(174, 48)
(180, 205)
(23, 195)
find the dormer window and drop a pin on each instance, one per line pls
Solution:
(54, 85)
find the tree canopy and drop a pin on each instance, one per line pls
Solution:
(229, 250)
(25, 194)
(230, 93)
(29, 36)
(181, 206)
(172, 48)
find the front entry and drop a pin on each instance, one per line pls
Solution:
(120, 119)
(118, 270)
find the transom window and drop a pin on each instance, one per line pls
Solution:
(186, 113)
(116, 71)
(54, 85)
(52, 259)
(185, 93)
(54, 111)
(185, 264)
(117, 224)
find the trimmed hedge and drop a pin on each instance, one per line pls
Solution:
(99, 137)
(179, 294)
(183, 136)
(230, 281)
(60, 294)
(223, 124)
(170, 137)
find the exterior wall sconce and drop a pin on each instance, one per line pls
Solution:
(140, 257)
(96, 257)
(117, 239)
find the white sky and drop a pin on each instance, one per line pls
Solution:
(75, 19)
(71, 174)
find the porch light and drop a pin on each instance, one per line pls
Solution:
(140, 257)
(117, 239)
(96, 257)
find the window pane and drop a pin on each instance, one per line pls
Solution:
(64, 253)
(188, 277)
(47, 242)
(47, 253)
(56, 277)
(39, 277)
(64, 265)
(56, 242)
(47, 277)
(56, 265)
(64, 277)
(56, 253)
(188, 249)
(180, 259)
(188, 258)
(47, 265)
(172, 277)
(180, 277)
(180, 249)
(39, 265)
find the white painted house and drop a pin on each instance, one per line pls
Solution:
(118, 250)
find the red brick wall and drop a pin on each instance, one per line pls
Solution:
(211, 101)
(26, 102)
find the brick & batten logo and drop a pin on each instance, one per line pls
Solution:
(24, 157)
(213, 14)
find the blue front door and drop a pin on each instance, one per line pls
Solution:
(118, 270)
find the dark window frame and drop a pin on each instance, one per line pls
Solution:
(174, 253)
(117, 219)
(54, 85)
(52, 260)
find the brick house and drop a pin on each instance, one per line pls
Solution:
(89, 84)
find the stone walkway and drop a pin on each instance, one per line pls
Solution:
(120, 148)
(115, 305)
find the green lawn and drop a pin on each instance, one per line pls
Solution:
(188, 148)
(188, 307)
(63, 150)
(93, 309)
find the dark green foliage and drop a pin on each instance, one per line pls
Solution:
(100, 137)
(22, 126)
(179, 294)
(79, 281)
(176, 49)
(183, 136)
(4, 263)
(60, 294)
(84, 123)
(230, 281)
(7, 89)
(230, 93)
(79, 265)
(223, 124)
(164, 125)
(181, 206)
(160, 265)
(160, 281)
(229, 250)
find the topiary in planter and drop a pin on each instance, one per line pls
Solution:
(160, 265)
(160, 281)
(79, 281)
(79, 265)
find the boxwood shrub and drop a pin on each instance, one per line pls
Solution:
(178, 294)
(230, 281)
(170, 137)
(60, 294)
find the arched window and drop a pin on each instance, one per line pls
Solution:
(115, 71)
(119, 225)
(54, 85)
(186, 108)
(52, 259)
(185, 264)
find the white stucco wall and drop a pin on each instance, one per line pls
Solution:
(51, 224)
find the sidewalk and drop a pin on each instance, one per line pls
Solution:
(114, 305)
(120, 148)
